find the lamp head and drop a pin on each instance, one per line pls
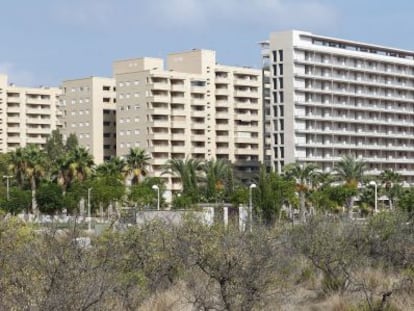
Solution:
(252, 186)
(155, 187)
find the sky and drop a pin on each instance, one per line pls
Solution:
(44, 42)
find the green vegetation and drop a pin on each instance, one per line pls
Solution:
(324, 264)
(63, 173)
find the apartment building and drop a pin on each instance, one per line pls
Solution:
(89, 112)
(28, 115)
(193, 108)
(327, 97)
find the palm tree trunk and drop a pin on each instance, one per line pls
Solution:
(34, 203)
(302, 211)
(349, 206)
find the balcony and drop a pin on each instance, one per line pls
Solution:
(198, 137)
(38, 111)
(248, 94)
(178, 87)
(223, 150)
(160, 148)
(161, 123)
(223, 127)
(247, 82)
(198, 89)
(14, 139)
(160, 111)
(159, 86)
(178, 100)
(222, 139)
(247, 151)
(247, 140)
(160, 98)
(180, 149)
(198, 149)
(222, 91)
(37, 140)
(198, 113)
(13, 109)
(198, 125)
(14, 120)
(160, 136)
(37, 121)
(38, 130)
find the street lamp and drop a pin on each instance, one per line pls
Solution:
(373, 183)
(155, 187)
(89, 209)
(7, 177)
(251, 187)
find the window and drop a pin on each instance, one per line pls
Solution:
(281, 55)
(281, 83)
(280, 69)
(281, 97)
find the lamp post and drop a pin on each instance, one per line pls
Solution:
(89, 209)
(7, 177)
(373, 183)
(251, 187)
(155, 187)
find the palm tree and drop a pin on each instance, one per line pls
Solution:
(305, 176)
(390, 180)
(350, 172)
(115, 167)
(28, 164)
(216, 173)
(188, 171)
(137, 161)
(79, 164)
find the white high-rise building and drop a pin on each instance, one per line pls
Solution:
(28, 115)
(89, 112)
(194, 108)
(328, 97)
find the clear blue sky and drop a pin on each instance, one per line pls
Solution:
(47, 41)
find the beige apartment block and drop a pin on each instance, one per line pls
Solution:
(328, 97)
(193, 108)
(28, 115)
(89, 112)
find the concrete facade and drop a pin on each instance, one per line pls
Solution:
(89, 111)
(192, 108)
(326, 97)
(28, 115)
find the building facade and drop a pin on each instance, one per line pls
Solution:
(327, 97)
(28, 115)
(194, 108)
(89, 112)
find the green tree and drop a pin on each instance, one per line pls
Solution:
(390, 182)
(305, 177)
(106, 189)
(188, 171)
(350, 172)
(49, 196)
(79, 164)
(115, 167)
(406, 201)
(273, 191)
(137, 161)
(28, 164)
(19, 201)
(143, 195)
(215, 174)
(54, 146)
(71, 142)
